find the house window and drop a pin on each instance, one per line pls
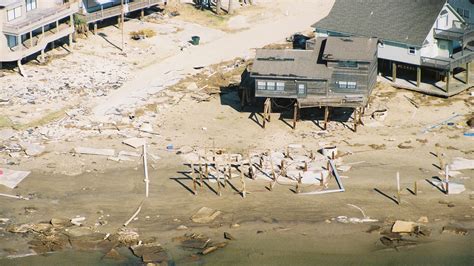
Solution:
(301, 89)
(261, 85)
(342, 84)
(280, 86)
(350, 64)
(412, 50)
(467, 14)
(12, 41)
(30, 5)
(14, 13)
(351, 85)
(271, 85)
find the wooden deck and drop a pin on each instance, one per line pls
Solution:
(435, 88)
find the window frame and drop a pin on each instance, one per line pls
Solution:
(261, 85)
(31, 5)
(299, 87)
(9, 41)
(16, 11)
(410, 48)
(271, 85)
(280, 86)
(467, 13)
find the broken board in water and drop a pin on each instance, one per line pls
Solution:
(11, 178)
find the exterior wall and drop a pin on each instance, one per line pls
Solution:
(399, 52)
(313, 87)
(464, 5)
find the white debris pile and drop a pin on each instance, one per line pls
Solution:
(63, 78)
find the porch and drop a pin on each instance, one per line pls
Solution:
(116, 10)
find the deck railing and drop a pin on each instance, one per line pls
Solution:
(16, 27)
(448, 64)
(108, 12)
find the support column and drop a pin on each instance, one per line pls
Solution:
(42, 56)
(20, 70)
(418, 76)
(95, 28)
(42, 32)
(356, 118)
(467, 72)
(295, 114)
(31, 39)
(394, 72)
(70, 41)
(119, 23)
(448, 77)
(326, 117)
(142, 13)
(18, 41)
(57, 26)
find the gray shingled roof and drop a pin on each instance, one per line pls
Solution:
(350, 49)
(289, 63)
(403, 21)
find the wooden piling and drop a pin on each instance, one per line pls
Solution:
(218, 181)
(446, 180)
(398, 188)
(200, 172)
(242, 180)
(194, 179)
(326, 117)
(145, 166)
(415, 188)
(295, 115)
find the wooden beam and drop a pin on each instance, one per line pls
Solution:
(418, 76)
(356, 119)
(394, 72)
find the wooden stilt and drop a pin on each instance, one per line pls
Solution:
(298, 184)
(326, 117)
(218, 174)
(467, 72)
(230, 169)
(415, 188)
(95, 28)
(398, 189)
(356, 119)
(418, 76)
(311, 155)
(242, 180)
(305, 167)
(394, 72)
(200, 173)
(446, 180)
(242, 100)
(194, 179)
(295, 115)
(225, 176)
(448, 79)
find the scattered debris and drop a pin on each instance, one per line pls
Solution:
(32, 149)
(228, 236)
(135, 142)
(78, 220)
(205, 215)
(403, 227)
(93, 151)
(460, 163)
(455, 230)
(152, 252)
(423, 219)
(11, 178)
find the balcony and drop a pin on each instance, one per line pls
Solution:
(36, 43)
(113, 11)
(39, 17)
(449, 64)
(463, 33)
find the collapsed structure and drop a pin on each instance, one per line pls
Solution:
(332, 72)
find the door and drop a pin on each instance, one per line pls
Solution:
(301, 90)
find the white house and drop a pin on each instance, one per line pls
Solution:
(421, 34)
(465, 8)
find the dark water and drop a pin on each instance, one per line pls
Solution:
(289, 249)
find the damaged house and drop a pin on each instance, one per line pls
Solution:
(428, 42)
(334, 72)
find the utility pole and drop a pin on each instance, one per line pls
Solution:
(122, 20)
